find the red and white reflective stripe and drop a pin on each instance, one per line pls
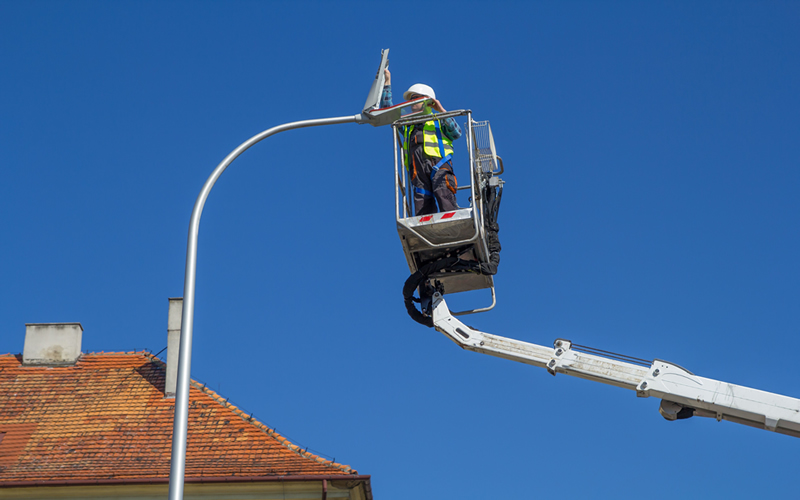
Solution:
(428, 218)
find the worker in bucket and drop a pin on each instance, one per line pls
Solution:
(428, 151)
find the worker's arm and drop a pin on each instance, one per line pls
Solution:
(449, 125)
(451, 129)
(386, 97)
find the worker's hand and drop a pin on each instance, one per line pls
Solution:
(436, 105)
(388, 77)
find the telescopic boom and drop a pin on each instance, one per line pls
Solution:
(683, 394)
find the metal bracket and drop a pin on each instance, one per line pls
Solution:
(561, 351)
(663, 376)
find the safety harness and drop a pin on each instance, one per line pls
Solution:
(444, 158)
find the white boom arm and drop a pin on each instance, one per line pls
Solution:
(683, 394)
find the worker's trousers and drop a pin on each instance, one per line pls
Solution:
(432, 187)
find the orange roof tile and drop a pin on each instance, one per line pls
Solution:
(107, 418)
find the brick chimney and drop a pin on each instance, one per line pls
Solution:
(52, 344)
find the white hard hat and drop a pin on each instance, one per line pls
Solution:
(421, 89)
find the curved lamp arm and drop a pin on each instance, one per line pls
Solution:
(180, 422)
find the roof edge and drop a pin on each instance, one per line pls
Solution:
(210, 479)
(298, 450)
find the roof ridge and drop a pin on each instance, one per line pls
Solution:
(256, 423)
(144, 352)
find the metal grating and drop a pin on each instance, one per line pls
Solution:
(485, 153)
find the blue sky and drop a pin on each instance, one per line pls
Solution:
(651, 208)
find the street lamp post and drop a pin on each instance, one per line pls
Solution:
(181, 419)
(371, 114)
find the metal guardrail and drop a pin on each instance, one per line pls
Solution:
(476, 144)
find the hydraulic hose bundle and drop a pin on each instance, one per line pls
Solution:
(492, 209)
(420, 278)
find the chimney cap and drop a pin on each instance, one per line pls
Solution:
(55, 324)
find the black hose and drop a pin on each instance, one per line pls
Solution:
(415, 280)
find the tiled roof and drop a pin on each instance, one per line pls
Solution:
(107, 418)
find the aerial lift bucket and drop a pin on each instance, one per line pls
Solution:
(465, 234)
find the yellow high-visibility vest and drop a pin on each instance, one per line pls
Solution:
(431, 144)
(430, 141)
